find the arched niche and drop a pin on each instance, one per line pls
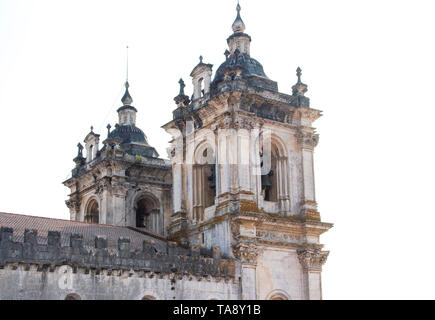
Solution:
(274, 171)
(147, 212)
(92, 211)
(148, 297)
(203, 179)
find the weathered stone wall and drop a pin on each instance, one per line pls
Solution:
(29, 270)
(279, 270)
(20, 282)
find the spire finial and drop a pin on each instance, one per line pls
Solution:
(182, 85)
(108, 129)
(80, 150)
(126, 77)
(92, 128)
(299, 73)
(238, 24)
(200, 59)
(300, 88)
(127, 99)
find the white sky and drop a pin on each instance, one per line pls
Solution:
(370, 67)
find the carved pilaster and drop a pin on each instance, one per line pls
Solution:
(307, 140)
(312, 259)
(246, 252)
(73, 204)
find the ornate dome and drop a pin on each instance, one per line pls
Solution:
(250, 67)
(128, 134)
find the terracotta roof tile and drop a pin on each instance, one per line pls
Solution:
(66, 227)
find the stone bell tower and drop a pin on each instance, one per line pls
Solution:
(243, 179)
(125, 183)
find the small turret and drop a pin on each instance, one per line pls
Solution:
(239, 40)
(127, 113)
(201, 79)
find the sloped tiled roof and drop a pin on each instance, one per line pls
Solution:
(21, 222)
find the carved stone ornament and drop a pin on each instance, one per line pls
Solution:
(307, 140)
(73, 204)
(246, 252)
(312, 259)
(244, 123)
(309, 114)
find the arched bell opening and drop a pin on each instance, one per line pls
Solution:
(92, 214)
(147, 213)
(204, 180)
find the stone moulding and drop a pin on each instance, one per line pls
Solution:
(102, 259)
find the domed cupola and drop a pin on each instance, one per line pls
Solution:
(238, 63)
(132, 139)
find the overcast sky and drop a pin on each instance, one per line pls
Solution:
(370, 68)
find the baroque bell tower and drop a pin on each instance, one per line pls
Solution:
(243, 178)
(123, 184)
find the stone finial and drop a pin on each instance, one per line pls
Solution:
(182, 100)
(92, 129)
(127, 99)
(300, 88)
(182, 85)
(108, 128)
(200, 59)
(238, 24)
(226, 53)
(299, 73)
(80, 150)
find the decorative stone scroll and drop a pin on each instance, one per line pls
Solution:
(246, 252)
(312, 259)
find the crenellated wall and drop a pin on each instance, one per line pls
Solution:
(29, 270)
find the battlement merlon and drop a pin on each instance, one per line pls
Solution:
(102, 257)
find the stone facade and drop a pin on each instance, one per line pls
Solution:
(234, 208)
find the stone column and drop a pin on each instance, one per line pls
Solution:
(283, 189)
(311, 260)
(307, 141)
(223, 166)
(247, 253)
(119, 192)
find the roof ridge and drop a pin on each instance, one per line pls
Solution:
(85, 223)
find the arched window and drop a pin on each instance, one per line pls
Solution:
(201, 87)
(269, 178)
(142, 214)
(274, 173)
(147, 210)
(73, 296)
(204, 180)
(92, 213)
(91, 153)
